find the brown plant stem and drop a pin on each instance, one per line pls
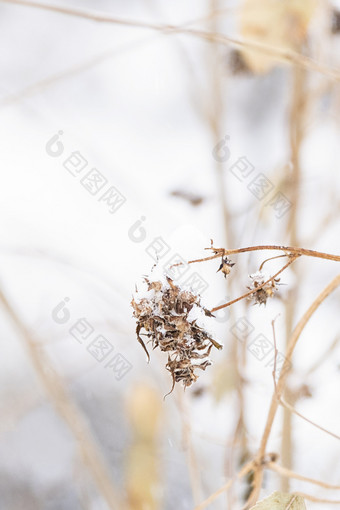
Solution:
(257, 288)
(188, 446)
(289, 249)
(291, 474)
(317, 500)
(216, 122)
(286, 56)
(296, 123)
(271, 258)
(292, 410)
(288, 407)
(284, 372)
(243, 472)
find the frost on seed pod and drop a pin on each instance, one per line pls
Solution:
(260, 296)
(172, 319)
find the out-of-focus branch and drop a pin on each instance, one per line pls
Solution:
(66, 409)
(318, 500)
(282, 380)
(296, 123)
(98, 59)
(292, 410)
(245, 470)
(281, 55)
(291, 474)
(193, 465)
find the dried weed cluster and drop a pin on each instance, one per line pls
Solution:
(172, 319)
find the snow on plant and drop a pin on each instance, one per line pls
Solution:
(174, 320)
(262, 290)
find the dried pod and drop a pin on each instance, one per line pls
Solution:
(225, 266)
(260, 295)
(173, 320)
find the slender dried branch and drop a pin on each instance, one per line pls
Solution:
(258, 475)
(317, 500)
(294, 411)
(324, 356)
(281, 55)
(290, 349)
(188, 446)
(271, 258)
(257, 288)
(67, 410)
(98, 59)
(220, 252)
(244, 471)
(285, 404)
(290, 249)
(291, 474)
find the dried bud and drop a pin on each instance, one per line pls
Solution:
(172, 320)
(225, 266)
(260, 296)
(237, 63)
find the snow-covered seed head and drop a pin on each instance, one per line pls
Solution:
(261, 295)
(171, 319)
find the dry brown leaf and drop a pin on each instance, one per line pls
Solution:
(276, 24)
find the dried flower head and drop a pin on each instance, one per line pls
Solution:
(171, 318)
(225, 266)
(261, 295)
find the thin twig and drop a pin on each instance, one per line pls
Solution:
(282, 400)
(193, 466)
(290, 250)
(88, 64)
(272, 258)
(294, 411)
(258, 475)
(290, 349)
(281, 55)
(244, 471)
(67, 410)
(317, 500)
(257, 288)
(291, 474)
(275, 351)
(323, 356)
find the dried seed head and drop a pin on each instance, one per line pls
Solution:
(261, 295)
(171, 318)
(225, 266)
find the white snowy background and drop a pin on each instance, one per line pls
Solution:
(130, 100)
